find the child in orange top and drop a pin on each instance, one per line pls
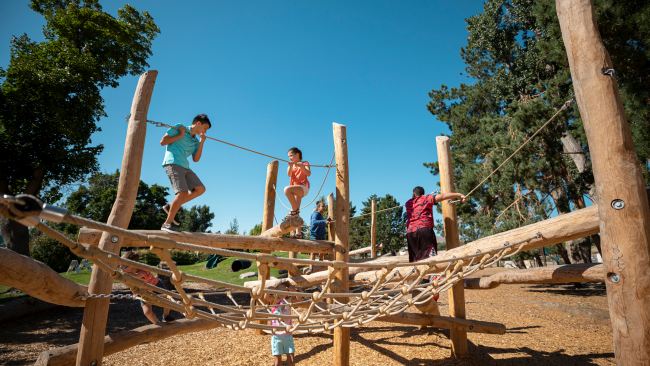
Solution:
(298, 172)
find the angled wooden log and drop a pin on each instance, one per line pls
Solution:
(361, 251)
(38, 280)
(93, 327)
(286, 226)
(113, 343)
(445, 322)
(574, 225)
(569, 273)
(223, 241)
(620, 187)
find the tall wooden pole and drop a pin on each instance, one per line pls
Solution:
(331, 229)
(622, 200)
(269, 210)
(342, 245)
(450, 221)
(93, 327)
(373, 228)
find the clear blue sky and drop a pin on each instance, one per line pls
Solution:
(274, 74)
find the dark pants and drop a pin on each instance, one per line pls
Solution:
(420, 244)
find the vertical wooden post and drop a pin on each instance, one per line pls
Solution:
(622, 200)
(457, 292)
(373, 228)
(342, 245)
(93, 327)
(269, 210)
(331, 228)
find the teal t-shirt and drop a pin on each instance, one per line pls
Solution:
(178, 151)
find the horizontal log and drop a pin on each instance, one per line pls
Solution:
(38, 280)
(117, 342)
(289, 224)
(574, 225)
(445, 322)
(577, 224)
(361, 251)
(569, 273)
(91, 236)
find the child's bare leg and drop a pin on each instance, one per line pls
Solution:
(180, 199)
(148, 312)
(278, 360)
(290, 359)
(291, 196)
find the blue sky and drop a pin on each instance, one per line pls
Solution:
(276, 74)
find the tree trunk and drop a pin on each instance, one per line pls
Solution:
(538, 259)
(15, 235)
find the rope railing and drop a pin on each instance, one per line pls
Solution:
(163, 124)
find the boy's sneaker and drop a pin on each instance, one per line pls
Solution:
(166, 209)
(171, 228)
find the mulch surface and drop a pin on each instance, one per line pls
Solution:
(546, 325)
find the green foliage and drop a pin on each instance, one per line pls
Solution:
(256, 230)
(51, 91)
(234, 228)
(391, 225)
(95, 202)
(520, 73)
(196, 219)
(51, 252)
(50, 94)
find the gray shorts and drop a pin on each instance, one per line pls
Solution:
(183, 180)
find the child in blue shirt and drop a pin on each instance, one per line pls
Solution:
(180, 142)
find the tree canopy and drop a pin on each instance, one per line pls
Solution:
(50, 93)
(519, 78)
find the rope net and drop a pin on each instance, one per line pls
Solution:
(386, 288)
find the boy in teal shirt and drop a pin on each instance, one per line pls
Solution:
(181, 142)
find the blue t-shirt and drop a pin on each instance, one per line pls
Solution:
(317, 227)
(178, 151)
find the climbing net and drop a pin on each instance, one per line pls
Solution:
(378, 289)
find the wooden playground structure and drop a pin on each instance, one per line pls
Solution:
(349, 294)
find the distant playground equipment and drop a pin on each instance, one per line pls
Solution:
(339, 294)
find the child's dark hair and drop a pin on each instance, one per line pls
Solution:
(203, 118)
(296, 150)
(418, 191)
(131, 255)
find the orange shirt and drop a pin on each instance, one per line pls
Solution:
(298, 177)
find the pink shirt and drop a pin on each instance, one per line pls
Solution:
(419, 212)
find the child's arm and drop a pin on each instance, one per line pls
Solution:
(289, 167)
(199, 150)
(167, 139)
(304, 167)
(449, 196)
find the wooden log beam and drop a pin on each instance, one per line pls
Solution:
(361, 251)
(65, 356)
(373, 228)
(574, 225)
(620, 187)
(445, 322)
(223, 241)
(38, 280)
(456, 294)
(93, 327)
(342, 245)
(569, 273)
(286, 226)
